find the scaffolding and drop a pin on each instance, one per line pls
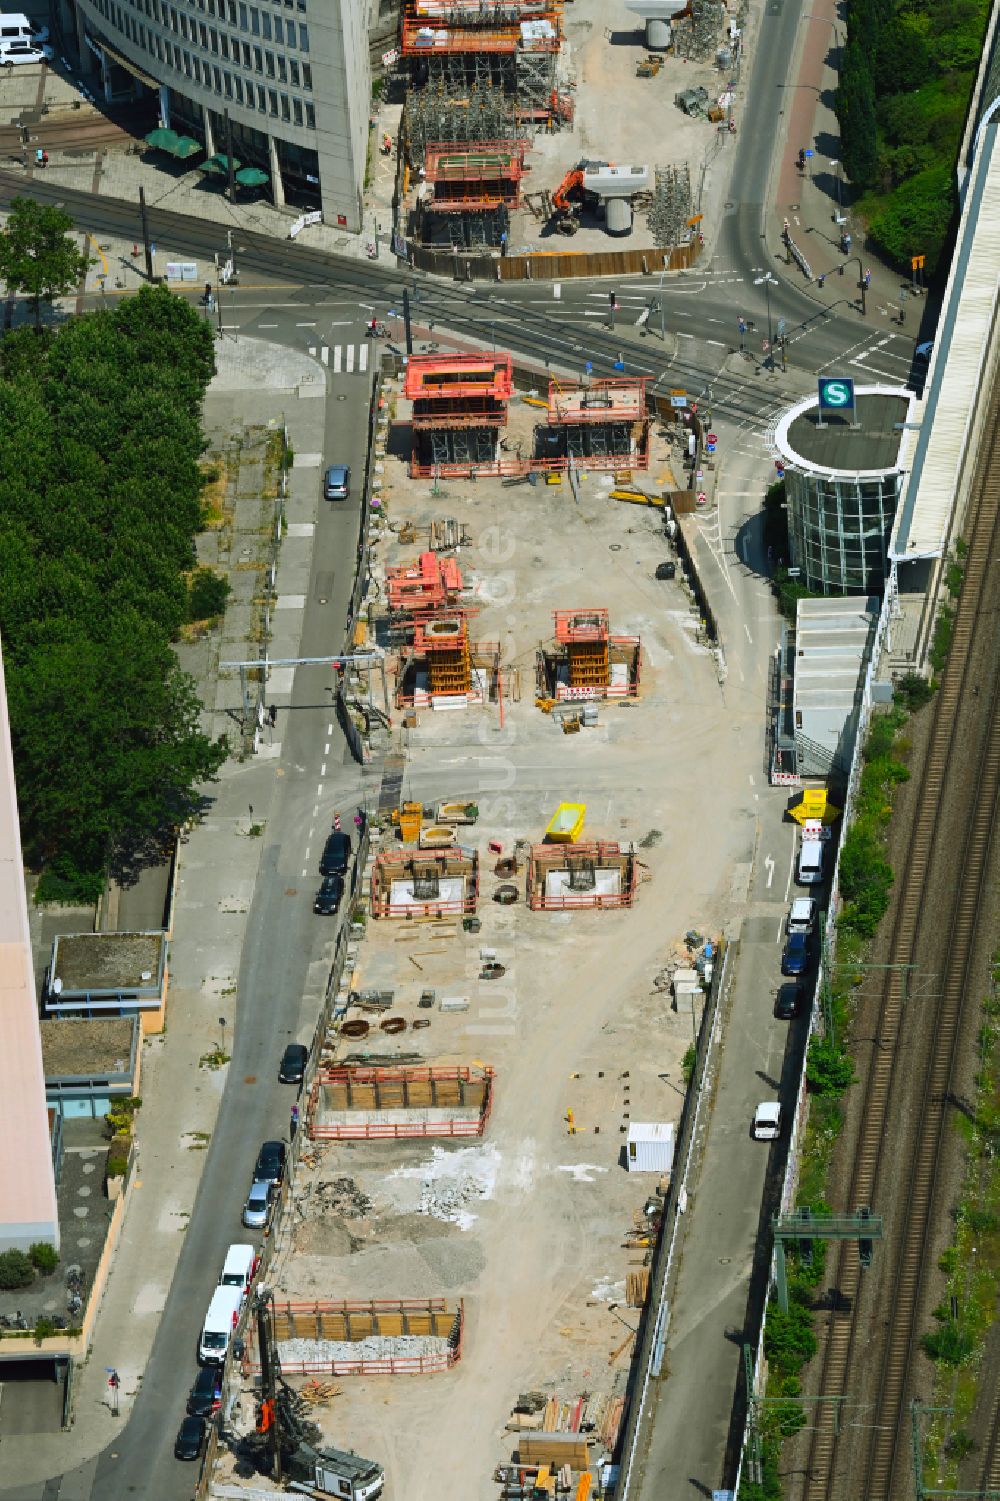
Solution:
(440, 114)
(444, 643)
(443, 668)
(468, 180)
(671, 207)
(572, 877)
(602, 424)
(431, 583)
(588, 661)
(584, 635)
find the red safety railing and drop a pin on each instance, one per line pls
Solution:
(471, 469)
(451, 375)
(602, 401)
(546, 858)
(381, 906)
(382, 1131)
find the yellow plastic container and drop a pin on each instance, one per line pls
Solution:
(566, 824)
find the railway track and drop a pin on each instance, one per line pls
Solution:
(884, 1444)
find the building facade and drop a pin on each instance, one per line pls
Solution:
(286, 83)
(28, 1137)
(842, 486)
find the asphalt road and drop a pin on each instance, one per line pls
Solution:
(303, 297)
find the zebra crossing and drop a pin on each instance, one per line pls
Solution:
(342, 359)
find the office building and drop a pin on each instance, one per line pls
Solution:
(286, 83)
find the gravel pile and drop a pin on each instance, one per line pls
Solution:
(375, 1347)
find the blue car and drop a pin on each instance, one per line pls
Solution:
(797, 956)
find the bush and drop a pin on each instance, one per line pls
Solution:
(913, 692)
(207, 594)
(829, 1070)
(941, 644)
(65, 883)
(15, 1270)
(951, 1345)
(917, 213)
(789, 1340)
(117, 1159)
(43, 1257)
(44, 1329)
(688, 1063)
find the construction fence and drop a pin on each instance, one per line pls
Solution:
(317, 1338)
(425, 1100)
(551, 265)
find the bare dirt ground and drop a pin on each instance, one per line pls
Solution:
(527, 1225)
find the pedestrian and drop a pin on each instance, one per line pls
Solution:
(45, 158)
(39, 153)
(293, 1124)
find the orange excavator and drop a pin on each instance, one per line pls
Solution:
(569, 197)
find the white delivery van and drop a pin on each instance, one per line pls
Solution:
(15, 27)
(810, 867)
(238, 1268)
(220, 1321)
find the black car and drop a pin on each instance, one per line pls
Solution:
(270, 1163)
(328, 897)
(789, 1002)
(291, 1069)
(206, 1393)
(336, 855)
(190, 1440)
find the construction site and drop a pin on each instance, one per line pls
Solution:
(489, 1135)
(457, 419)
(506, 140)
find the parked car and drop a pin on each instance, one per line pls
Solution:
(206, 1393)
(328, 897)
(270, 1166)
(767, 1121)
(291, 1069)
(923, 351)
(190, 1440)
(797, 955)
(790, 1001)
(24, 52)
(802, 915)
(666, 570)
(337, 482)
(257, 1206)
(336, 854)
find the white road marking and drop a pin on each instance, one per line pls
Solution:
(791, 869)
(322, 770)
(769, 867)
(267, 325)
(305, 872)
(350, 359)
(319, 790)
(363, 357)
(747, 629)
(329, 729)
(338, 355)
(324, 354)
(306, 325)
(326, 748)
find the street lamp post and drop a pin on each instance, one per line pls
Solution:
(765, 281)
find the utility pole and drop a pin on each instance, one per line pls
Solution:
(229, 156)
(144, 221)
(406, 321)
(612, 304)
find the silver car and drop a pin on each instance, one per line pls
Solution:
(337, 482)
(257, 1206)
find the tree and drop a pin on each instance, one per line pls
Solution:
(856, 114)
(37, 255)
(15, 1270)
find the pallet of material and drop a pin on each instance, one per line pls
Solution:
(555, 1449)
(637, 1287)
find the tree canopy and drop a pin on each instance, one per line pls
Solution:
(38, 257)
(99, 507)
(906, 77)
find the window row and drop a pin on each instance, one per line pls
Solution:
(247, 19)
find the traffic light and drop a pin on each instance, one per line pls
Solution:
(820, 280)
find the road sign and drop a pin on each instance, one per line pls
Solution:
(709, 447)
(809, 153)
(711, 438)
(836, 394)
(917, 262)
(679, 402)
(695, 220)
(781, 327)
(589, 368)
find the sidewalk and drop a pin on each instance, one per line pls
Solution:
(815, 202)
(218, 870)
(38, 99)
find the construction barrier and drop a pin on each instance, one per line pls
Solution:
(346, 1322)
(405, 1088)
(551, 265)
(546, 859)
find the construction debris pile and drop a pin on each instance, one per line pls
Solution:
(340, 1196)
(335, 1352)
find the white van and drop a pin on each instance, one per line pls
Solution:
(810, 869)
(802, 915)
(15, 27)
(220, 1321)
(238, 1268)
